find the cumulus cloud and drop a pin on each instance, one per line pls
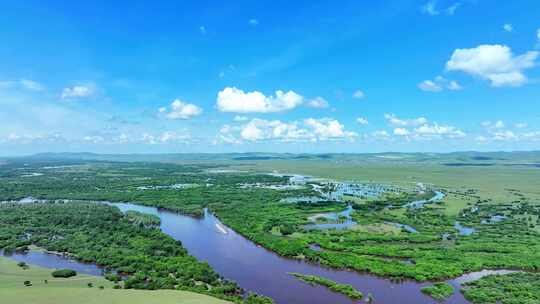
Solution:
(508, 27)
(362, 121)
(520, 125)
(328, 128)
(395, 121)
(78, 91)
(202, 30)
(310, 130)
(318, 102)
(421, 129)
(181, 110)
(232, 99)
(359, 94)
(495, 63)
(253, 22)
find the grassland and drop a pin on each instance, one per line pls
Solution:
(493, 182)
(76, 290)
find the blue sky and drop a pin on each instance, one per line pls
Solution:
(279, 76)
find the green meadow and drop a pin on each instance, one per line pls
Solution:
(76, 290)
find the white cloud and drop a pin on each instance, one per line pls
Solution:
(78, 91)
(239, 118)
(532, 135)
(520, 125)
(318, 102)
(359, 94)
(181, 110)
(454, 86)
(395, 121)
(95, 139)
(495, 63)
(232, 99)
(362, 121)
(421, 129)
(166, 137)
(499, 124)
(380, 134)
(508, 27)
(481, 139)
(438, 84)
(310, 130)
(401, 131)
(504, 135)
(430, 86)
(253, 22)
(328, 128)
(438, 131)
(23, 83)
(452, 8)
(202, 30)
(32, 139)
(430, 8)
(31, 85)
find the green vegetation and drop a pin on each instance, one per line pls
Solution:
(439, 291)
(102, 234)
(46, 290)
(515, 288)
(142, 219)
(345, 289)
(64, 273)
(503, 185)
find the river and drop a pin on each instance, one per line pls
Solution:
(257, 269)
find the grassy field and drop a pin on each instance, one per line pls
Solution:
(76, 290)
(493, 182)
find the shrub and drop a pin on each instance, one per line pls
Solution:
(113, 277)
(64, 273)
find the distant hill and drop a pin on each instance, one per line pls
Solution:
(454, 159)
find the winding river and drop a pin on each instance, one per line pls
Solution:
(257, 269)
